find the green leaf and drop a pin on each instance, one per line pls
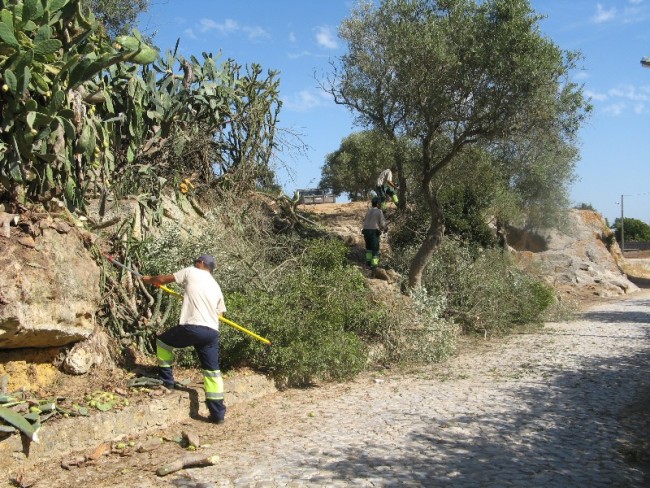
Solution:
(70, 132)
(7, 35)
(29, 10)
(27, 76)
(83, 411)
(19, 422)
(31, 105)
(56, 5)
(31, 117)
(42, 120)
(104, 407)
(57, 100)
(109, 105)
(46, 47)
(29, 26)
(44, 33)
(87, 139)
(11, 80)
(130, 154)
(49, 176)
(68, 189)
(7, 17)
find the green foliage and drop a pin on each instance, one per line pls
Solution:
(633, 230)
(50, 138)
(354, 167)
(421, 334)
(585, 206)
(117, 16)
(480, 50)
(303, 296)
(318, 316)
(80, 115)
(470, 197)
(484, 290)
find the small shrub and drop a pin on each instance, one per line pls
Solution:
(485, 291)
(429, 337)
(318, 317)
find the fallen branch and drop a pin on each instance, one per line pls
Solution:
(187, 462)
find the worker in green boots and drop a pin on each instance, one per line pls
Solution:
(373, 225)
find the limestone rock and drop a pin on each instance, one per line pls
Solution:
(577, 257)
(50, 292)
(85, 354)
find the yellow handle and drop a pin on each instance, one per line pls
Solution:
(239, 327)
(170, 291)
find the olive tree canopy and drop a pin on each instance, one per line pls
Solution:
(452, 74)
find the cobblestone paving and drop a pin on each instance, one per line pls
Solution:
(539, 410)
(534, 410)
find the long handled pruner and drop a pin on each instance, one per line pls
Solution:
(178, 295)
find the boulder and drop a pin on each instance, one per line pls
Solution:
(582, 258)
(49, 286)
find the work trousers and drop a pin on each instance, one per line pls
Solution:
(205, 341)
(383, 192)
(371, 236)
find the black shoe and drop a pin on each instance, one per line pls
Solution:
(217, 421)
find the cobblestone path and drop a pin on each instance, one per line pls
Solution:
(534, 410)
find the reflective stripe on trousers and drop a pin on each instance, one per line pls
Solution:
(213, 384)
(165, 354)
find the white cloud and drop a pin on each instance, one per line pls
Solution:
(292, 38)
(190, 33)
(227, 27)
(581, 75)
(302, 101)
(636, 2)
(254, 33)
(630, 92)
(622, 98)
(601, 97)
(301, 54)
(326, 38)
(230, 26)
(603, 15)
(615, 109)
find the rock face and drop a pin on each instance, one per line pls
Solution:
(581, 259)
(49, 285)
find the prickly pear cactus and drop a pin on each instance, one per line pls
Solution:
(51, 57)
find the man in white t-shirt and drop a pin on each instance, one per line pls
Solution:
(198, 326)
(386, 187)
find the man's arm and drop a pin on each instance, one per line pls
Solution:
(158, 280)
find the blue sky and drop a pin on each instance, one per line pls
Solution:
(299, 37)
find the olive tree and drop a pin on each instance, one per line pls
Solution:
(452, 75)
(117, 16)
(353, 168)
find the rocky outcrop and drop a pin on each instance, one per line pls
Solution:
(49, 284)
(581, 259)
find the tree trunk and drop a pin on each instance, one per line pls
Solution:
(431, 242)
(401, 180)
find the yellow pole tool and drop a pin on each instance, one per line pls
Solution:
(246, 331)
(178, 295)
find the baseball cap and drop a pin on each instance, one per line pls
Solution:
(207, 260)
